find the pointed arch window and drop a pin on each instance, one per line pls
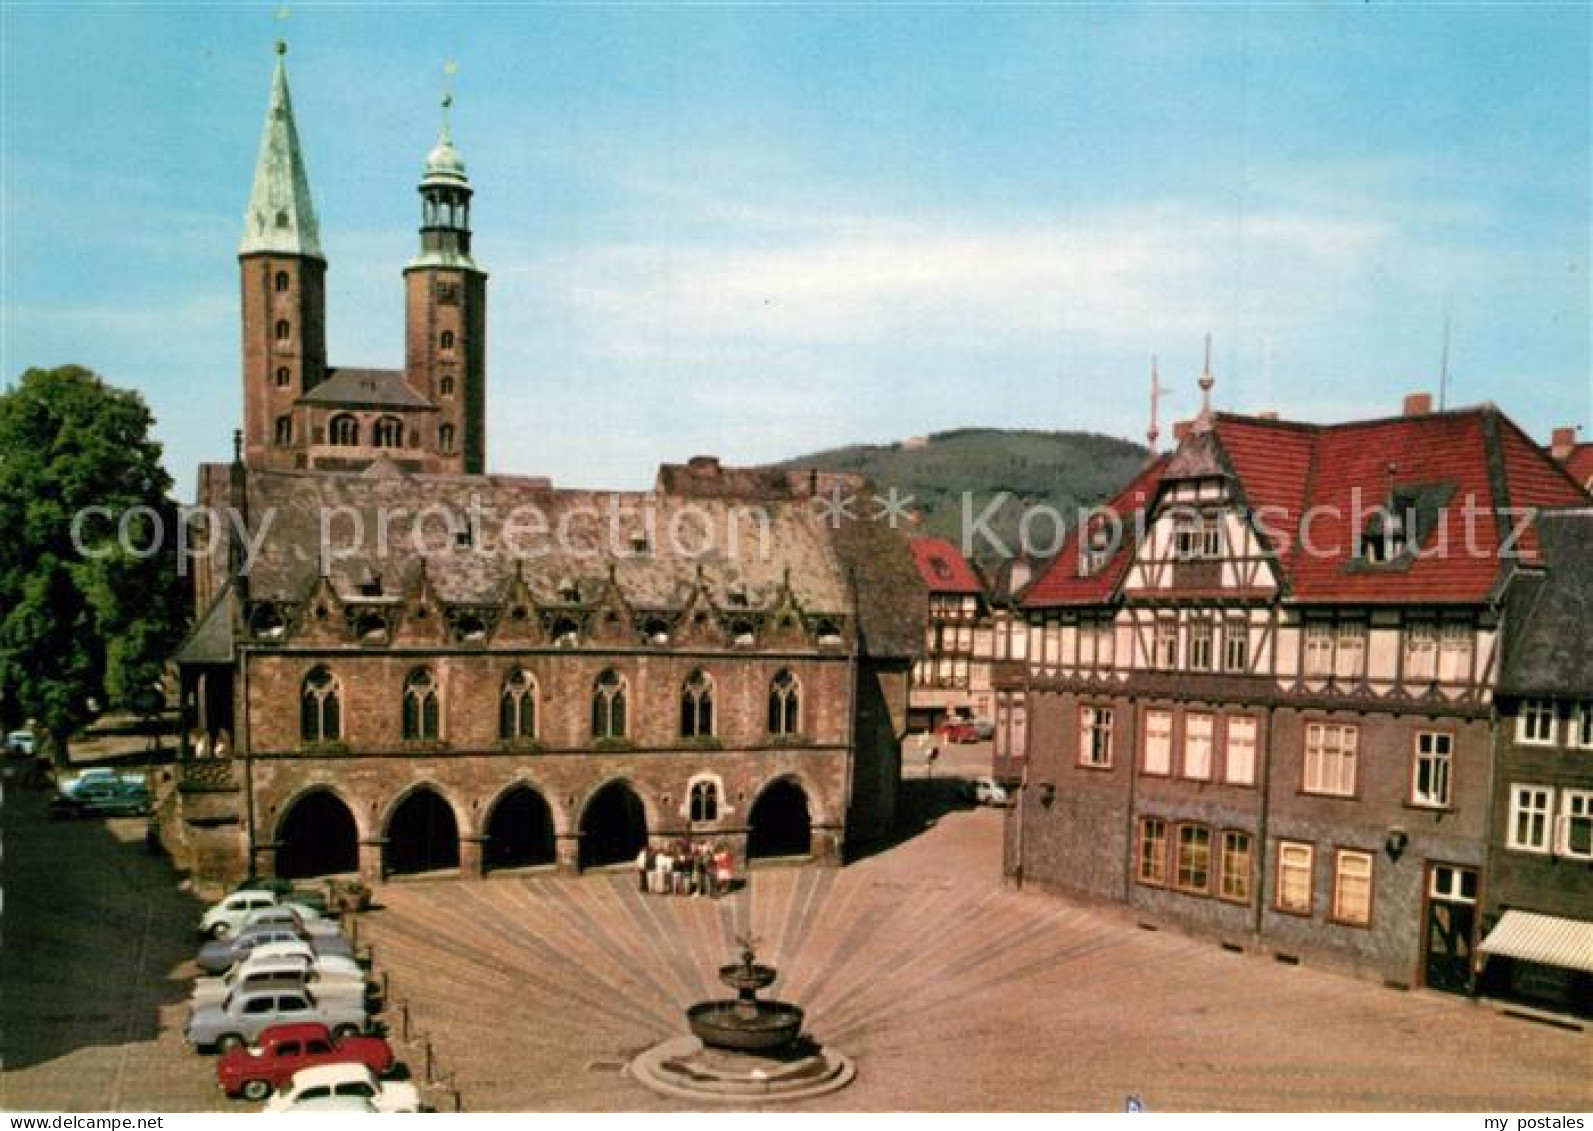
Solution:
(446, 386)
(608, 706)
(517, 706)
(388, 433)
(704, 801)
(284, 431)
(697, 706)
(445, 341)
(281, 282)
(421, 706)
(445, 439)
(284, 330)
(320, 706)
(785, 704)
(345, 431)
(284, 378)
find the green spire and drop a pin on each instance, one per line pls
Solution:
(280, 218)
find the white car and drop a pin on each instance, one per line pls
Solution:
(313, 1089)
(988, 791)
(232, 913)
(20, 743)
(340, 977)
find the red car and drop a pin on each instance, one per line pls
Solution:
(956, 730)
(255, 1073)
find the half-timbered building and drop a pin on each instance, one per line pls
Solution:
(1257, 702)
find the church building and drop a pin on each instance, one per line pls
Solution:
(401, 663)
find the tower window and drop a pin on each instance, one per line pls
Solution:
(446, 386)
(284, 378)
(445, 439)
(281, 282)
(345, 431)
(282, 218)
(284, 431)
(388, 433)
(445, 341)
(284, 331)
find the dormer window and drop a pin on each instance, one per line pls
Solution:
(1197, 537)
(1386, 538)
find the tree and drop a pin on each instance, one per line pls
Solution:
(90, 597)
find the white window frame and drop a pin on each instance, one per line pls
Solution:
(1095, 737)
(1200, 734)
(1576, 811)
(1164, 644)
(1349, 650)
(1531, 821)
(1456, 642)
(1332, 755)
(1248, 731)
(1421, 651)
(1158, 741)
(1537, 722)
(1143, 837)
(1202, 644)
(1236, 644)
(1353, 915)
(1581, 724)
(1295, 858)
(1318, 648)
(1436, 748)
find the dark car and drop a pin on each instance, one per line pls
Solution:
(109, 798)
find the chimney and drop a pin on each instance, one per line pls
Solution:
(1418, 404)
(1181, 430)
(1563, 443)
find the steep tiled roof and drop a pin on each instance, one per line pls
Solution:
(365, 388)
(1463, 472)
(1579, 465)
(1548, 649)
(1063, 583)
(943, 567)
(659, 549)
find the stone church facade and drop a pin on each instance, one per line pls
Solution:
(402, 664)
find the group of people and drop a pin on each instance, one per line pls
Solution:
(687, 867)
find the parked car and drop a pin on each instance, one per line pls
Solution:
(298, 953)
(73, 784)
(981, 730)
(255, 973)
(227, 916)
(954, 729)
(988, 791)
(290, 914)
(20, 743)
(336, 1081)
(102, 798)
(282, 1050)
(240, 1018)
(218, 954)
(285, 892)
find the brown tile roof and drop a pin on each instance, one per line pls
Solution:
(365, 388)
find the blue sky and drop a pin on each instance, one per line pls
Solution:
(760, 230)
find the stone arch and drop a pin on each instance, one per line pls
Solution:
(614, 823)
(521, 828)
(317, 834)
(422, 827)
(781, 819)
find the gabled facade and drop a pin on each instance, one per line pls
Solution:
(1259, 690)
(952, 678)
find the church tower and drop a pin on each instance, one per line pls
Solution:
(445, 314)
(283, 277)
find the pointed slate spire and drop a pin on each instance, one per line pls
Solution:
(280, 218)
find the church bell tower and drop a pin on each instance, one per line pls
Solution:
(445, 313)
(283, 279)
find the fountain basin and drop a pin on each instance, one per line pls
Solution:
(732, 1025)
(743, 976)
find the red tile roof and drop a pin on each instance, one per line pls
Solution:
(1063, 583)
(943, 568)
(1309, 487)
(1579, 465)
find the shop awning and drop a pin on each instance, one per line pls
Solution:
(1545, 939)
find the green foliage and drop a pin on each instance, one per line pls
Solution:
(90, 627)
(1067, 471)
